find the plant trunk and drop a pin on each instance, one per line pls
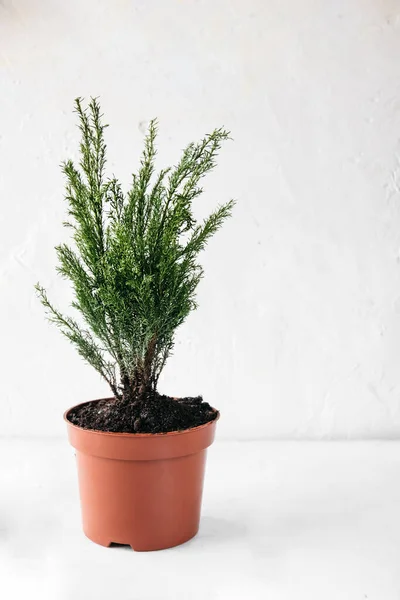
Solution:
(137, 388)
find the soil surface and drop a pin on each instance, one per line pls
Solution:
(154, 414)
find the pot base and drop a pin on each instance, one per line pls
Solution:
(103, 542)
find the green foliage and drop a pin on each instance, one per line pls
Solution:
(134, 268)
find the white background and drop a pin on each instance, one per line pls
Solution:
(298, 330)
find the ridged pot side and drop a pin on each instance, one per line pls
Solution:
(143, 490)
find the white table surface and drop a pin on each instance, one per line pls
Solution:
(281, 520)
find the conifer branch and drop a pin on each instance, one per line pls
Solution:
(134, 269)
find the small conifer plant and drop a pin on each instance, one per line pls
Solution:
(133, 264)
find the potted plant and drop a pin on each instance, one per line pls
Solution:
(134, 272)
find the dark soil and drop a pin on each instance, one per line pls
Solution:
(154, 414)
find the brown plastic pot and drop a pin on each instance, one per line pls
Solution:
(143, 490)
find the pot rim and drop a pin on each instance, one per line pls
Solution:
(135, 435)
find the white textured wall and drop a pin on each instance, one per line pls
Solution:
(298, 330)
